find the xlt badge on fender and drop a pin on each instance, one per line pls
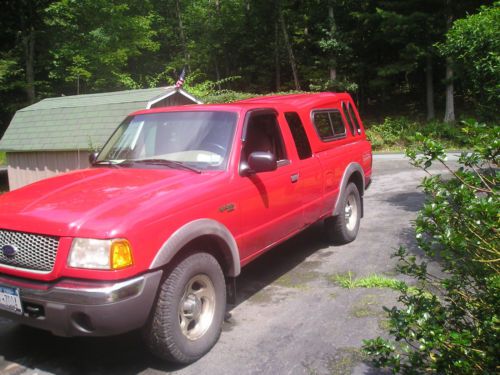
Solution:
(227, 208)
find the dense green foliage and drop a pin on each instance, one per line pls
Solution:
(450, 322)
(400, 132)
(100, 47)
(382, 51)
(474, 43)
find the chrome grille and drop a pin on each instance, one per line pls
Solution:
(33, 251)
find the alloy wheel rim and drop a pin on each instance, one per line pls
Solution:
(351, 212)
(197, 307)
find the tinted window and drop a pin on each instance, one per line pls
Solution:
(354, 118)
(322, 124)
(329, 124)
(347, 117)
(264, 135)
(299, 135)
(337, 124)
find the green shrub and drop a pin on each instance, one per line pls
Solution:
(390, 132)
(474, 44)
(450, 324)
(345, 85)
(3, 158)
(215, 91)
(398, 133)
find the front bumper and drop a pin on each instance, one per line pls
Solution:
(84, 308)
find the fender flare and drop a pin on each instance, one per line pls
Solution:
(349, 171)
(193, 230)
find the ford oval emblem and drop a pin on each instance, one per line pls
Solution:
(9, 251)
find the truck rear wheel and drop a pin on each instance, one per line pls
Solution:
(343, 228)
(188, 315)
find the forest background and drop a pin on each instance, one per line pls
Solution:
(398, 59)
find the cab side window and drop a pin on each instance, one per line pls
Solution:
(263, 134)
(299, 135)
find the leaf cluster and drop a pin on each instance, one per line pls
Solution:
(474, 44)
(401, 132)
(450, 322)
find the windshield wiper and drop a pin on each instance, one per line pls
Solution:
(168, 163)
(107, 162)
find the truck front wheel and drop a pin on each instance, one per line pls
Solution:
(188, 315)
(343, 228)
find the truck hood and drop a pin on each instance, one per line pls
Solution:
(98, 201)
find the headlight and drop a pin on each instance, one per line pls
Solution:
(100, 254)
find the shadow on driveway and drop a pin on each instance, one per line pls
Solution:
(29, 348)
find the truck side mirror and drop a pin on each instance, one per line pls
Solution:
(259, 161)
(93, 157)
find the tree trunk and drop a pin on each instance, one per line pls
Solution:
(224, 61)
(182, 35)
(277, 56)
(217, 72)
(291, 57)
(429, 78)
(449, 112)
(29, 52)
(333, 63)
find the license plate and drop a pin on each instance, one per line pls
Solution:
(10, 300)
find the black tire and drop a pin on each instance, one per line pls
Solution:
(343, 228)
(167, 335)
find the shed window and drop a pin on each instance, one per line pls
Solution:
(299, 135)
(329, 124)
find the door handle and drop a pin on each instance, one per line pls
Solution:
(294, 178)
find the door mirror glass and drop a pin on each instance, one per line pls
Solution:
(260, 161)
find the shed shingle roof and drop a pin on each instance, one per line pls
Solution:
(77, 122)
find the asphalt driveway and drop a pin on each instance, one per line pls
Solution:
(291, 317)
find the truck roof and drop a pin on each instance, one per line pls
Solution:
(298, 101)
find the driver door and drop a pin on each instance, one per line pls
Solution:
(270, 202)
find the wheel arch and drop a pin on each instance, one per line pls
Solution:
(353, 173)
(206, 235)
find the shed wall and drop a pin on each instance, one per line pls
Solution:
(27, 167)
(172, 100)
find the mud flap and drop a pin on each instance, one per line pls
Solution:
(231, 290)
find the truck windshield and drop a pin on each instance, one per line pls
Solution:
(197, 139)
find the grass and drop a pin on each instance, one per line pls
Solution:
(347, 281)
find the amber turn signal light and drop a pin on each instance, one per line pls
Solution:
(121, 254)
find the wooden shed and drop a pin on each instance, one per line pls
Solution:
(56, 135)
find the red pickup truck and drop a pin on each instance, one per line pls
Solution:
(153, 235)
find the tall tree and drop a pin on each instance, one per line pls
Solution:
(288, 46)
(449, 112)
(474, 44)
(95, 40)
(23, 19)
(182, 33)
(429, 84)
